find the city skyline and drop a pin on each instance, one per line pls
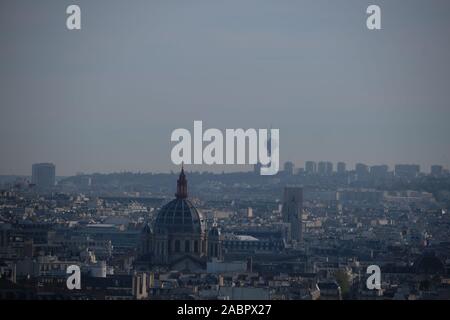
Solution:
(124, 241)
(215, 158)
(241, 168)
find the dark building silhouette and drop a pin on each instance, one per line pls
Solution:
(179, 238)
(43, 175)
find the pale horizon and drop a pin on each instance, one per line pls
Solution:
(107, 97)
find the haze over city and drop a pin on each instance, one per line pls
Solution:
(231, 157)
(106, 98)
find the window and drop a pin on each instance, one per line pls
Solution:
(177, 245)
(187, 246)
(196, 246)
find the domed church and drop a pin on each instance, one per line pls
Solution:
(179, 239)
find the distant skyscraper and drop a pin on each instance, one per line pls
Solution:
(362, 171)
(43, 175)
(292, 211)
(329, 168)
(341, 167)
(321, 168)
(407, 170)
(310, 167)
(289, 168)
(379, 172)
(325, 168)
(361, 168)
(436, 170)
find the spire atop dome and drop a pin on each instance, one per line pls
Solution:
(181, 185)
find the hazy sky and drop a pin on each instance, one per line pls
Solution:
(107, 98)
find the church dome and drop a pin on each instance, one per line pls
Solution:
(179, 215)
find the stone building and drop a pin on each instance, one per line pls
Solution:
(178, 238)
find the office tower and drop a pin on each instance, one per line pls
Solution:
(292, 211)
(310, 167)
(407, 171)
(436, 170)
(43, 175)
(289, 168)
(325, 168)
(321, 168)
(341, 167)
(379, 172)
(362, 171)
(328, 168)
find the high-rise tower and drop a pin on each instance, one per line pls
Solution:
(292, 211)
(43, 175)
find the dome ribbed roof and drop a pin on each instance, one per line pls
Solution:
(180, 216)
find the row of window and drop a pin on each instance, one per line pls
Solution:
(186, 246)
(255, 245)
